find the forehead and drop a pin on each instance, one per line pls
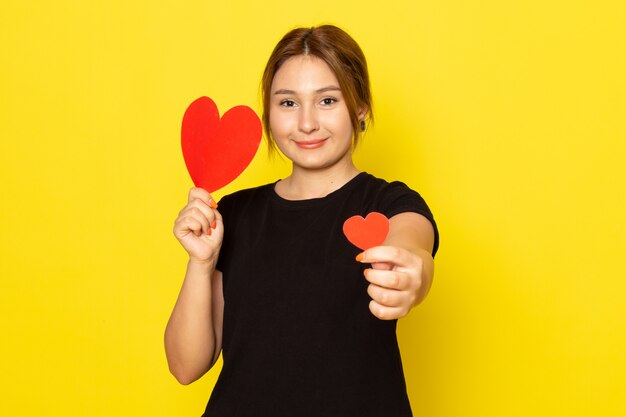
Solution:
(304, 73)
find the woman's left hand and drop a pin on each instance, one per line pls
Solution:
(396, 280)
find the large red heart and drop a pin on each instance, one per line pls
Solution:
(367, 232)
(217, 150)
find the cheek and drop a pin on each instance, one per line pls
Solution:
(279, 124)
(341, 123)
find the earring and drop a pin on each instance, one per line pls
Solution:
(362, 125)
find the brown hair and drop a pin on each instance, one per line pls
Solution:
(340, 52)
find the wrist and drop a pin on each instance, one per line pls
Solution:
(202, 263)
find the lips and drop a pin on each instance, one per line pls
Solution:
(311, 144)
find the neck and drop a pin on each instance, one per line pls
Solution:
(305, 184)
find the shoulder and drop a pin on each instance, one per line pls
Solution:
(396, 197)
(383, 185)
(390, 193)
(247, 193)
(244, 198)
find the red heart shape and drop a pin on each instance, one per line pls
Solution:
(217, 150)
(367, 232)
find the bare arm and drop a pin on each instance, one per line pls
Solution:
(193, 336)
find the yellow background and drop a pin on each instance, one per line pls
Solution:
(509, 118)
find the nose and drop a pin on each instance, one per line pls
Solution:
(307, 121)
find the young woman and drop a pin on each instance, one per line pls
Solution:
(272, 282)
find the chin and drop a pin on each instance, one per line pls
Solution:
(310, 163)
(319, 163)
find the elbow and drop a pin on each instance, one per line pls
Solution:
(187, 367)
(184, 376)
(184, 380)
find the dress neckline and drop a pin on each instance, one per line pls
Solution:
(314, 202)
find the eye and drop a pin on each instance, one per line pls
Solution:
(287, 103)
(327, 101)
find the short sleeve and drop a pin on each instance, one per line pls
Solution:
(396, 197)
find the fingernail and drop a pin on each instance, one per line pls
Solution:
(214, 224)
(212, 204)
(359, 257)
(208, 232)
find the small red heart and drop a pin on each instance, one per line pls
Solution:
(216, 151)
(367, 232)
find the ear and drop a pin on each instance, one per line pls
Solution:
(363, 112)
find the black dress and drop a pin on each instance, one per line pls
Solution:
(298, 337)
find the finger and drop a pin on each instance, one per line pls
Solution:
(385, 296)
(198, 215)
(218, 219)
(387, 313)
(389, 279)
(186, 224)
(387, 254)
(201, 194)
(385, 266)
(207, 211)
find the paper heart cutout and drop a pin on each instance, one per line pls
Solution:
(367, 232)
(217, 150)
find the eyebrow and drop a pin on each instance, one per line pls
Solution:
(321, 90)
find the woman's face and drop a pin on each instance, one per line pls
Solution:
(309, 119)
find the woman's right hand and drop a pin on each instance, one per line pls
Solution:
(199, 227)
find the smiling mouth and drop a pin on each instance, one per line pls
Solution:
(311, 144)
